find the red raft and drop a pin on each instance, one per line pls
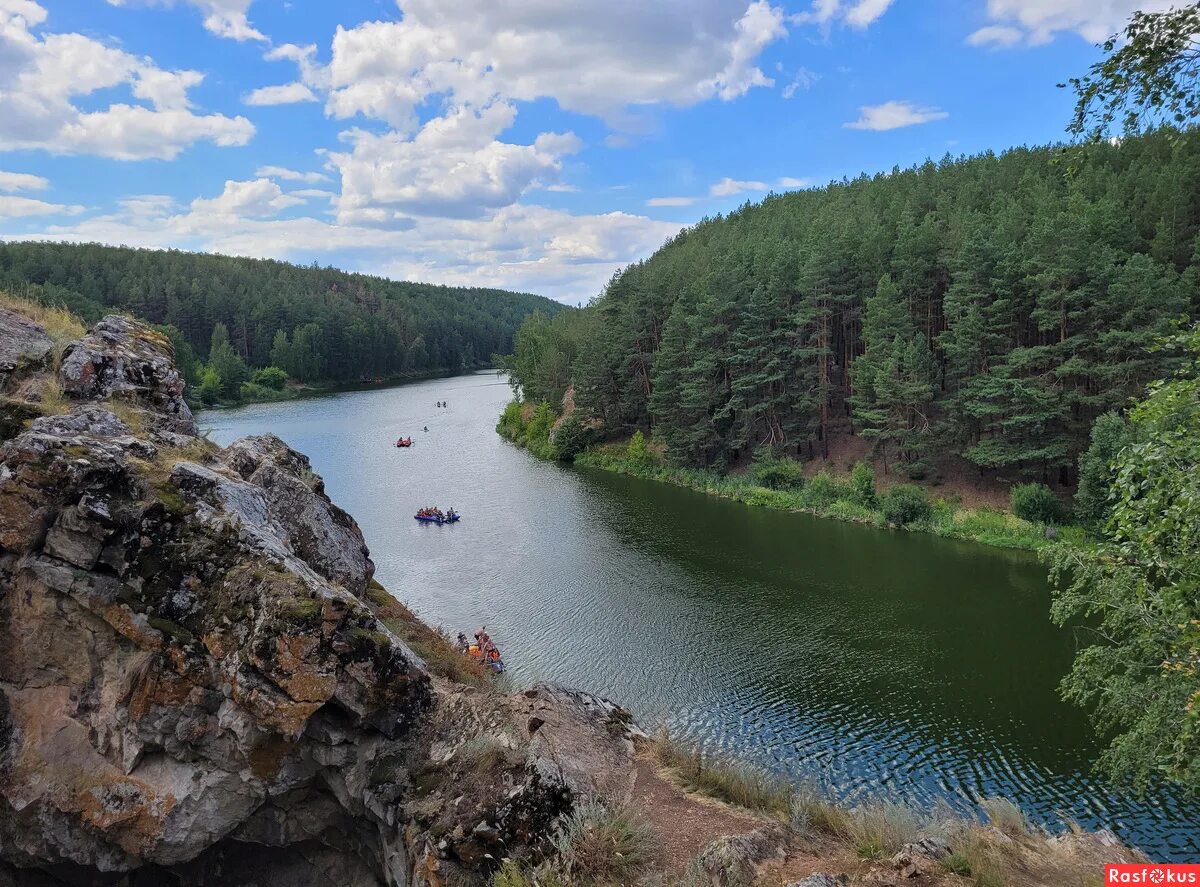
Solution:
(404, 442)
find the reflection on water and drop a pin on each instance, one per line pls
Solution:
(872, 661)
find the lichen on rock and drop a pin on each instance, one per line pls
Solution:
(192, 676)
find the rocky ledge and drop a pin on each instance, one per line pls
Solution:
(194, 685)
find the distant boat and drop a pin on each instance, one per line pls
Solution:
(404, 442)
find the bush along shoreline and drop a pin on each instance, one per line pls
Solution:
(1038, 518)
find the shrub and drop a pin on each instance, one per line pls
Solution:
(918, 470)
(1110, 435)
(905, 504)
(637, 451)
(862, 485)
(598, 843)
(572, 437)
(210, 388)
(775, 473)
(511, 425)
(823, 490)
(1037, 504)
(270, 377)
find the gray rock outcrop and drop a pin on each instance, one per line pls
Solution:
(193, 681)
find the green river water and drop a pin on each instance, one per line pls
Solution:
(876, 662)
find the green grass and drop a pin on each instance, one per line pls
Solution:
(830, 497)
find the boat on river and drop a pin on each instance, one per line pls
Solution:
(404, 442)
(436, 516)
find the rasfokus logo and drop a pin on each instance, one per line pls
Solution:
(1151, 873)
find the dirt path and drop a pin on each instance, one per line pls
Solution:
(685, 823)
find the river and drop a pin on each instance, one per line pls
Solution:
(874, 662)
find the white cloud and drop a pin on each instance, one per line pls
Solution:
(894, 115)
(803, 79)
(313, 194)
(19, 207)
(258, 198)
(286, 94)
(1039, 21)
(527, 248)
(43, 75)
(996, 35)
(289, 175)
(22, 181)
(599, 59)
(671, 201)
(728, 187)
(225, 18)
(454, 166)
(562, 189)
(860, 14)
(788, 183)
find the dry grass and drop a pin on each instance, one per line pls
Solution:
(432, 645)
(61, 325)
(734, 783)
(51, 399)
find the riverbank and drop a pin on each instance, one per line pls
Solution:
(865, 500)
(258, 394)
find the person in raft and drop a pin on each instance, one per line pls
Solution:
(450, 515)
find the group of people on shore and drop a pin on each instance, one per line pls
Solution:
(483, 642)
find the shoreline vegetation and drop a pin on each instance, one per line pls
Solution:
(856, 495)
(258, 394)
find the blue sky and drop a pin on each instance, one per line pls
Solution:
(533, 144)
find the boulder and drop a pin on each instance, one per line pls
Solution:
(733, 860)
(24, 346)
(123, 359)
(821, 879)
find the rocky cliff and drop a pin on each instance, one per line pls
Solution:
(195, 687)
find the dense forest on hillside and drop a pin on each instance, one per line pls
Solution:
(317, 324)
(988, 308)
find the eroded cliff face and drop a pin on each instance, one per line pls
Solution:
(193, 686)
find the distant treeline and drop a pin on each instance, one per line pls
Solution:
(316, 324)
(989, 307)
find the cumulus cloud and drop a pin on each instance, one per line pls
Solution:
(859, 14)
(527, 248)
(1039, 21)
(285, 94)
(289, 175)
(894, 115)
(225, 18)
(19, 207)
(45, 74)
(676, 52)
(22, 181)
(258, 198)
(671, 201)
(454, 166)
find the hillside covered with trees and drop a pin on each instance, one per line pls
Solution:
(238, 315)
(985, 308)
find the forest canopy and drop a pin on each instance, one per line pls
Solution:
(988, 308)
(238, 315)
